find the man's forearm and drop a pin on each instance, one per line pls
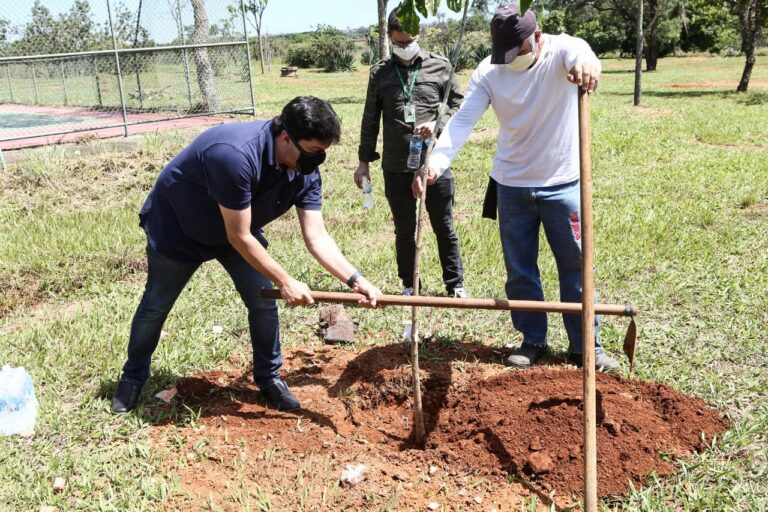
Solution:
(327, 253)
(258, 257)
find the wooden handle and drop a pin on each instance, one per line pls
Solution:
(449, 302)
(588, 306)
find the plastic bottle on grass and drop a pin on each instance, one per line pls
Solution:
(368, 199)
(18, 405)
(414, 154)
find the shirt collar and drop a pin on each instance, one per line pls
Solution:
(269, 145)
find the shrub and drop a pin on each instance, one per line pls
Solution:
(337, 60)
(369, 57)
(326, 47)
(479, 52)
(461, 61)
(301, 55)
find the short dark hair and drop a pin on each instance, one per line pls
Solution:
(393, 23)
(307, 117)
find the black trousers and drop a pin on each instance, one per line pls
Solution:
(439, 206)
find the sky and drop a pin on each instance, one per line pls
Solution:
(280, 17)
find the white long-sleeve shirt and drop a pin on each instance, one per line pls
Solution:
(537, 109)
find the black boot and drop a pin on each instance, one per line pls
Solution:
(280, 397)
(126, 397)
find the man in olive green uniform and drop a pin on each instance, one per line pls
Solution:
(405, 91)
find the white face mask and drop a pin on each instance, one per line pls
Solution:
(407, 53)
(523, 62)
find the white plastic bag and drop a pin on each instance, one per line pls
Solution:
(18, 405)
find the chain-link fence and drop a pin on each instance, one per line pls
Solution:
(79, 65)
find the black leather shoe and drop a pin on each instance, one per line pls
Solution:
(280, 397)
(126, 397)
(525, 355)
(603, 362)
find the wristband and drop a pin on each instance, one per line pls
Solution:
(353, 278)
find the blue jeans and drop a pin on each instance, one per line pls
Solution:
(521, 211)
(166, 279)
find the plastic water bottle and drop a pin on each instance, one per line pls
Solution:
(368, 199)
(18, 405)
(414, 156)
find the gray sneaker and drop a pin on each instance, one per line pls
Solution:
(459, 293)
(408, 291)
(603, 362)
(525, 355)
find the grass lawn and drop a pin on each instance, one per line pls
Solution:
(681, 231)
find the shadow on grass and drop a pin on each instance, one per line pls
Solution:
(346, 100)
(747, 99)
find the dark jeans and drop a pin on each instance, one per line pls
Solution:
(439, 206)
(166, 279)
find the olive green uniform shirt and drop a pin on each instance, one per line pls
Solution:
(385, 102)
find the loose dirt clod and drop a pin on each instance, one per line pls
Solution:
(353, 475)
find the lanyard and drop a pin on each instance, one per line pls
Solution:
(407, 92)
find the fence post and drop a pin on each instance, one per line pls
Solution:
(248, 59)
(117, 68)
(10, 84)
(186, 56)
(34, 84)
(63, 82)
(98, 84)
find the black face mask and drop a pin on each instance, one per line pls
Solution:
(307, 161)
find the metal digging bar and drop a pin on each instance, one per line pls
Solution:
(491, 304)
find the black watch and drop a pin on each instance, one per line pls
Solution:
(353, 278)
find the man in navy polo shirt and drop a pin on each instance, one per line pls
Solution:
(211, 202)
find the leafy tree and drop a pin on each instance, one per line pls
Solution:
(39, 35)
(5, 31)
(710, 27)
(408, 11)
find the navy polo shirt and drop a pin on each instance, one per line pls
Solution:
(232, 165)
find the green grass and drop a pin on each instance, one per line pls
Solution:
(681, 231)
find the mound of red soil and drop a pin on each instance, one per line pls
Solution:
(531, 423)
(482, 423)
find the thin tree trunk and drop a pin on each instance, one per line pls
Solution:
(383, 41)
(204, 71)
(135, 57)
(748, 21)
(639, 53)
(652, 38)
(261, 50)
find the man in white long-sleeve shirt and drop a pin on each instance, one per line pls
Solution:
(529, 81)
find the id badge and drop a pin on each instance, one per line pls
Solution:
(410, 113)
